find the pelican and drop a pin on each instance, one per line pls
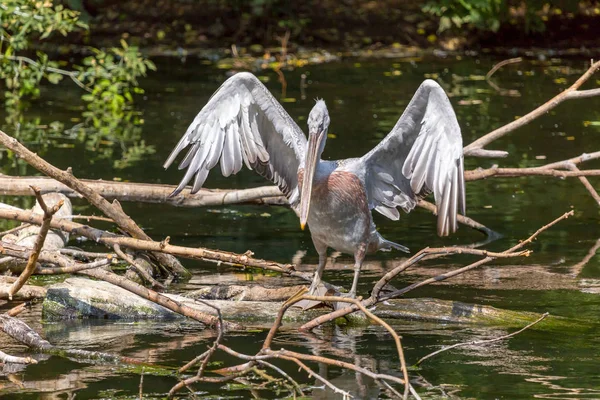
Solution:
(243, 123)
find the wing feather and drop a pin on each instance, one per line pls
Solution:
(422, 154)
(242, 123)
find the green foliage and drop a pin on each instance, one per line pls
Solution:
(480, 14)
(108, 78)
(489, 15)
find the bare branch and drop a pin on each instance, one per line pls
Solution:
(570, 93)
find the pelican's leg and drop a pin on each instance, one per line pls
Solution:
(322, 250)
(359, 256)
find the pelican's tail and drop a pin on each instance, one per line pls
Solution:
(386, 245)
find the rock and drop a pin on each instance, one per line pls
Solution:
(84, 298)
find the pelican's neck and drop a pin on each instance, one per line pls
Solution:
(323, 169)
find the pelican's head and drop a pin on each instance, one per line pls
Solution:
(318, 123)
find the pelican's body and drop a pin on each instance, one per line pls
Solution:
(242, 122)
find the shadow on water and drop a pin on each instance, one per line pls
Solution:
(365, 98)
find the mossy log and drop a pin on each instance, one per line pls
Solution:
(84, 298)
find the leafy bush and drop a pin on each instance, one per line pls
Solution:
(108, 79)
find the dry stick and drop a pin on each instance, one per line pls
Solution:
(109, 239)
(213, 348)
(310, 372)
(478, 342)
(139, 270)
(531, 171)
(372, 300)
(300, 295)
(586, 183)
(39, 243)
(13, 312)
(474, 265)
(142, 384)
(87, 218)
(85, 254)
(476, 148)
(114, 210)
(501, 91)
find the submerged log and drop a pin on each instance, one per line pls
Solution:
(84, 298)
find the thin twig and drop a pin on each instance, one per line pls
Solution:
(502, 64)
(479, 342)
(284, 374)
(375, 318)
(141, 393)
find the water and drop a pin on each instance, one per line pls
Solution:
(365, 98)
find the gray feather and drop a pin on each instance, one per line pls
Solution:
(243, 123)
(422, 154)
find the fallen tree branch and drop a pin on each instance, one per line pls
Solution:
(476, 148)
(5, 358)
(146, 192)
(114, 210)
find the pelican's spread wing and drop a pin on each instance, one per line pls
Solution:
(242, 122)
(422, 154)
